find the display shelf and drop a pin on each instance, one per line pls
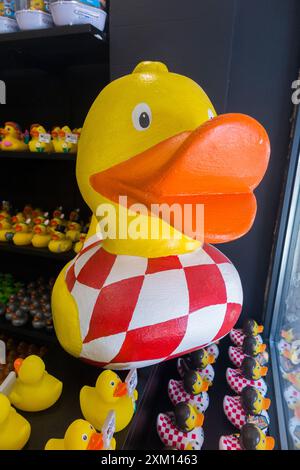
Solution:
(27, 332)
(57, 46)
(55, 157)
(32, 251)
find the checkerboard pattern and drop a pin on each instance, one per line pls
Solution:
(236, 355)
(177, 394)
(172, 437)
(134, 311)
(207, 373)
(229, 442)
(234, 411)
(237, 382)
(237, 337)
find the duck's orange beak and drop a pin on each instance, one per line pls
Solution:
(95, 442)
(17, 364)
(199, 420)
(260, 329)
(266, 403)
(218, 165)
(211, 359)
(270, 443)
(205, 386)
(121, 389)
(263, 371)
(262, 348)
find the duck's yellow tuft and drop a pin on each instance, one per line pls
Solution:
(151, 67)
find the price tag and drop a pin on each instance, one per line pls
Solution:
(44, 138)
(2, 352)
(7, 385)
(260, 421)
(72, 138)
(131, 380)
(108, 429)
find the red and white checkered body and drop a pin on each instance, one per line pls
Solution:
(229, 442)
(237, 382)
(206, 373)
(172, 437)
(235, 413)
(177, 394)
(135, 311)
(237, 337)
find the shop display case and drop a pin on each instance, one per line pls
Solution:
(283, 310)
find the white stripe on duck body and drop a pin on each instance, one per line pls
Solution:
(140, 141)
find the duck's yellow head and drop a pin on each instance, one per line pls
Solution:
(194, 383)
(12, 130)
(81, 435)
(110, 387)
(253, 402)
(187, 417)
(30, 370)
(253, 438)
(153, 138)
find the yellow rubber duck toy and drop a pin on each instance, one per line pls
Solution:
(73, 232)
(79, 244)
(14, 429)
(36, 144)
(155, 145)
(80, 435)
(5, 227)
(61, 142)
(41, 235)
(55, 138)
(23, 233)
(12, 138)
(110, 393)
(34, 389)
(59, 242)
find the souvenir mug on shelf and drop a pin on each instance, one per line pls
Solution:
(33, 14)
(68, 12)
(8, 22)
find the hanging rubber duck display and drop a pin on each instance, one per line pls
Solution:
(250, 406)
(192, 389)
(168, 295)
(181, 429)
(250, 328)
(250, 373)
(199, 360)
(250, 438)
(251, 347)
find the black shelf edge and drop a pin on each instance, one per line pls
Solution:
(27, 332)
(32, 251)
(55, 32)
(64, 157)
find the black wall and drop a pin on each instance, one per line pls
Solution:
(245, 54)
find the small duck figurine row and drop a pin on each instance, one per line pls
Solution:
(249, 406)
(64, 140)
(250, 328)
(181, 429)
(250, 438)
(250, 373)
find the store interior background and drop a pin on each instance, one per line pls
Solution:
(244, 54)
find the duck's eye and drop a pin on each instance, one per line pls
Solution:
(112, 383)
(142, 117)
(84, 437)
(210, 114)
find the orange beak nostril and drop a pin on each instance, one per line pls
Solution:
(120, 390)
(17, 364)
(95, 442)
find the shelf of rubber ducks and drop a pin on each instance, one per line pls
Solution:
(33, 231)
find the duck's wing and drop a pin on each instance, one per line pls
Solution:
(237, 337)
(236, 355)
(234, 412)
(229, 442)
(55, 444)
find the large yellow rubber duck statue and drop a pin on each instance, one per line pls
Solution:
(34, 389)
(110, 393)
(14, 429)
(164, 177)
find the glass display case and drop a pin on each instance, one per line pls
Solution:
(283, 310)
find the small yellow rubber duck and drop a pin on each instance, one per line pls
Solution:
(23, 233)
(110, 393)
(12, 138)
(41, 235)
(36, 144)
(34, 389)
(5, 227)
(14, 429)
(73, 232)
(82, 237)
(61, 141)
(59, 243)
(80, 435)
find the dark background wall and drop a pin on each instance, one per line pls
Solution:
(245, 54)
